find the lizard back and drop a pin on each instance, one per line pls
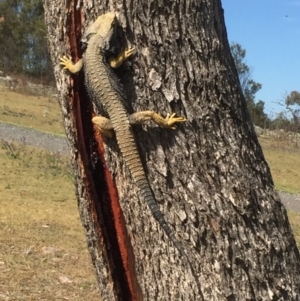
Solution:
(107, 92)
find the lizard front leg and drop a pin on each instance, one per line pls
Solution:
(67, 64)
(116, 62)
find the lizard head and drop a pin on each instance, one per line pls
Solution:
(104, 27)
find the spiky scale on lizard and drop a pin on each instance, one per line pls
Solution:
(105, 90)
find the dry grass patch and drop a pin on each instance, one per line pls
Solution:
(43, 253)
(40, 113)
(283, 158)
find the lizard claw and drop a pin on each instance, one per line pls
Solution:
(129, 52)
(172, 119)
(116, 62)
(66, 62)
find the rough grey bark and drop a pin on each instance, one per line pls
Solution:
(209, 176)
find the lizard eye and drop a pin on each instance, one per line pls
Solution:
(83, 45)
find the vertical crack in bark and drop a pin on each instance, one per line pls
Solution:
(104, 208)
(125, 247)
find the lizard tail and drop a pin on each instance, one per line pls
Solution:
(129, 151)
(130, 154)
(154, 208)
(105, 89)
(147, 194)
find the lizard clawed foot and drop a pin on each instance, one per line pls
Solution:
(129, 52)
(172, 119)
(116, 62)
(66, 62)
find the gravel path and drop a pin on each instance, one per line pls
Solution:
(54, 143)
(57, 143)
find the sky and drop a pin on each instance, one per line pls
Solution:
(269, 31)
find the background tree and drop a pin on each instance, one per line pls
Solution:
(23, 44)
(209, 176)
(249, 86)
(292, 102)
(289, 118)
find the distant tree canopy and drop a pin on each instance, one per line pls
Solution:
(249, 87)
(23, 44)
(292, 104)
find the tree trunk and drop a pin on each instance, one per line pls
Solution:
(209, 176)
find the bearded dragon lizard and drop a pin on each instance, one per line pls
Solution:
(104, 88)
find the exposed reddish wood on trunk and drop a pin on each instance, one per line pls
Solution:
(120, 225)
(80, 117)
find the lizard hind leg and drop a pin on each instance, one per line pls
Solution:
(169, 121)
(104, 126)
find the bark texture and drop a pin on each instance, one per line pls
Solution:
(209, 176)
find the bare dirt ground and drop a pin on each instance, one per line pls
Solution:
(55, 143)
